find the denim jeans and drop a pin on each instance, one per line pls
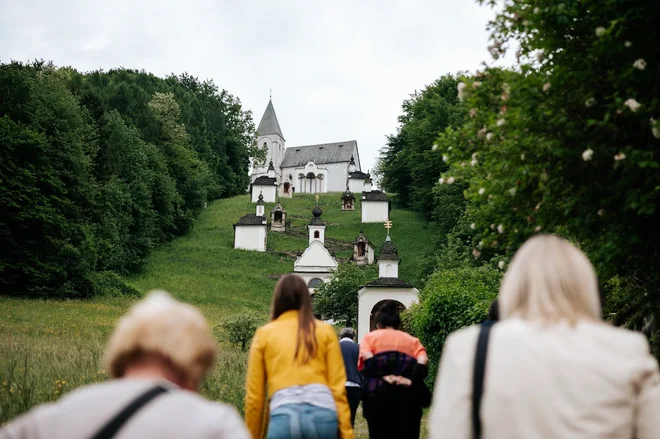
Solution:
(302, 421)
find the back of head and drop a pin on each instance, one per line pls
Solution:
(291, 294)
(163, 327)
(550, 280)
(388, 317)
(347, 333)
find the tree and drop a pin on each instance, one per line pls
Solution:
(338, 299)
(240, 328)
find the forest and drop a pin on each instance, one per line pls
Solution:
(566, 141)
(99, 168)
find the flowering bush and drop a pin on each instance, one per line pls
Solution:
(568, 143)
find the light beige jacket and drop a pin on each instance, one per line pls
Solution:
(175, 414)
(592, 381)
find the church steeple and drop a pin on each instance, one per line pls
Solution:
(269, 124)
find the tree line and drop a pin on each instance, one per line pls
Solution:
(98, 168)
(566, 142)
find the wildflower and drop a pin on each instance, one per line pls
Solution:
(537, 229)
(620, 156)
(546, 87)
(587, 154)
(655, 128)
(482, 191)
(473, 226)
(501, 122)
(451, 180)
(473, 162)
(435, 147)
(640, 64)
(627, 44)
(461, 91)
(501, 265)
(476, 253)
(500, 228)
(489, 136)
(441, 180)
(632, 104)
(600, 31)
(473, 112)
(590, 102)
(445, 158)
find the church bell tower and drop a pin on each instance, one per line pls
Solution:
(270, 138)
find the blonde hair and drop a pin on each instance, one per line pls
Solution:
(550, 280)
(162, 326)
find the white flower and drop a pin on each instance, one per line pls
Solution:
(441, 181)
(501, 122)
(655, 128)
(435, 147)
(627, 44)
(474, 156)
(546, 87)
(501, 263)
(632, 104)
(473, 226)
(640, 64)
(537, 229)
(451, 180)
(537, 10)
(476, 253)
(476, 84)
(600, 31)
(492, 226)
(587, 154)
(445, 158)
(590, 102)
(482, 191)
(601, 212)
(473, 162)
(473, 112)
(540, 56)
(620, 156)
(489, 136)
(461, 90)
(512, 191)
(500, 228)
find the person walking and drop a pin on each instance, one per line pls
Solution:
(351, 353)
(550, 368)
(297, 361)
(394, 367)
(157, 356)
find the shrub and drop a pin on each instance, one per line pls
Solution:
(451, 299)
(240, 328)
(110, 284)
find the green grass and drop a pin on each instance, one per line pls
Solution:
(43, 341)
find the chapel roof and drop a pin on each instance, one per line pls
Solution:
(374, 196)
(322, 153)
(251, 219)
(389, 282)
(388, 251)
(362, 238)
(357, 175)
(347, 195)
(278, 207)
(269, 123)
(265, 181)
(317, 221)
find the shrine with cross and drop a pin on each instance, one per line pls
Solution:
(387, 290)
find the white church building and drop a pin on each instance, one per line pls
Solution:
(251, 230)
(321, 168)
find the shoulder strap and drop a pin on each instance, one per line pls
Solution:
(478, 378)
(113, 425)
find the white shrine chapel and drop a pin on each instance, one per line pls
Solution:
(326, 167)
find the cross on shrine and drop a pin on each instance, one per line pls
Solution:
(317, 198)
(388, 226)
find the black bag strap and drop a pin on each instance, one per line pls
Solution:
(113, 425)
(478, 378)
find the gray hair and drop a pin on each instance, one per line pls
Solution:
(347, 333)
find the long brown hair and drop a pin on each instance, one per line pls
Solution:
(291, 293)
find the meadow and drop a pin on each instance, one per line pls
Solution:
(49, 347)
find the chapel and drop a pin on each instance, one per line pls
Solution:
(325, 167)
(251, 230)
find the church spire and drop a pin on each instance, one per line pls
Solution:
(269, 124)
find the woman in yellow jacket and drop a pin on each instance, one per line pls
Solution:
(298, 361)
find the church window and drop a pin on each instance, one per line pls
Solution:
(315, 283)
(265, 145)
(317, 234)
(290, 177)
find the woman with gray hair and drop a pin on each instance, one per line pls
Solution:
(551, 368)
(158, 355)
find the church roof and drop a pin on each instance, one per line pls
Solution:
(265, 181)
(269, 123)
(347, 195)
(357, 175)
(388, 251)
(278, 207)
(336, 152)
(374, 196)
(315, 258)
(389, 282)
(251, 219)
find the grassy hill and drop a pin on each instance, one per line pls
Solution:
(45, 343)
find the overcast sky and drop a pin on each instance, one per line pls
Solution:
(339, 69)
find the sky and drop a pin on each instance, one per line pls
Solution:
(339, 70)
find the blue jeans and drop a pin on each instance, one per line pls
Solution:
(302, 421)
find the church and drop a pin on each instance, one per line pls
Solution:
(302, 169)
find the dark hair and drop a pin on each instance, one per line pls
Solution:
(347, 333)
(494, 311)
(291, 294)
(388, 316)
